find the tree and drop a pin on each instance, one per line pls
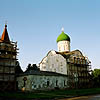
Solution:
(32, 67)
(96, 77)
(18, 68)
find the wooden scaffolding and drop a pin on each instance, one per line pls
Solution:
(79, 73)
(8, 58)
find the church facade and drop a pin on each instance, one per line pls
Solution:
(71, 63)
(58, 69)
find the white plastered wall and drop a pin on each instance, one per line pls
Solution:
(39, 82)
(63, 46)
(54, 62)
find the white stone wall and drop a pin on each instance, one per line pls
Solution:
(39, 82)
(54, 62)
(63, 46)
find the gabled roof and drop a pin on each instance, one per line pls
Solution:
(68, 54)
(5, 36)
(41, 73)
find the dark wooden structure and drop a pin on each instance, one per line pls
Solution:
(79, 76)
(8, 59)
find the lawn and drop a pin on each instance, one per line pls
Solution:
(55, 94)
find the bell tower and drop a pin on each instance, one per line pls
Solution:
(8, 59)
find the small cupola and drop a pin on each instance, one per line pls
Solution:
(63, 36)
(63, 42)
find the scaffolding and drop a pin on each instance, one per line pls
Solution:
(79, 72)
(8, 58)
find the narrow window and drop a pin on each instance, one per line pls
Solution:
(56, 82)
(47, 83)
(64, 83)
(64, 47)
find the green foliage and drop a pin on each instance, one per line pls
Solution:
(96, 73)
(49, 94)
(32, 67)
(96, 77)
(18, 68)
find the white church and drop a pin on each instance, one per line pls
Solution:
(58, 69)
(65, 61)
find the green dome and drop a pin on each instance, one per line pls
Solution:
(63, 37)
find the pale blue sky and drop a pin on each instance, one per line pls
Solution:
(36, 24)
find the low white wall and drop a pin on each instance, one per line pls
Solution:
(38, 82)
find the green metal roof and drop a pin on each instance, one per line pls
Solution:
(63, 37)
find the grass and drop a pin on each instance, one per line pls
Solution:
(50, 94)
